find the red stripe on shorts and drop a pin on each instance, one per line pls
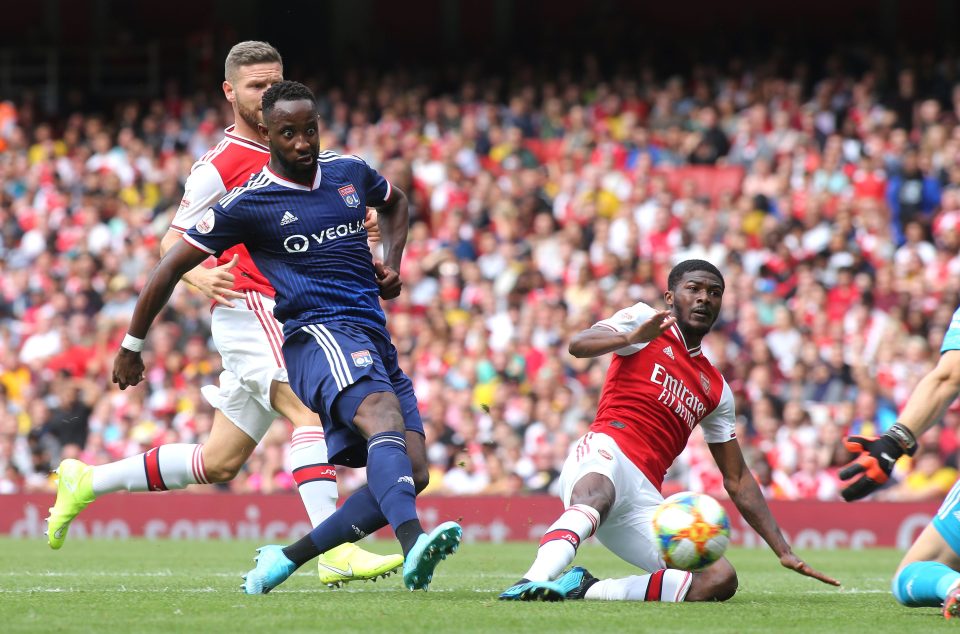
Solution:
(252, 304)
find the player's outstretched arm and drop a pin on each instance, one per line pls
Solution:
(215, 282)
(876, 456)
(594, 342)
(746, 495)
(128, 366)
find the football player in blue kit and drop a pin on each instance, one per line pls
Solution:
(301, 219)
(929, 573)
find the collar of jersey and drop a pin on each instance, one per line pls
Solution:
(691, 351)
(233, 136)
(279, 180)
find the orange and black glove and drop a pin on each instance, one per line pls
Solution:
(875, 459)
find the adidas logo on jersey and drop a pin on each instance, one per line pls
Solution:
(669, 352)
(288, 218)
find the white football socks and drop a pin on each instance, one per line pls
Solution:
(316, 479)
(668, 585)
(559, 544)
(162, 468)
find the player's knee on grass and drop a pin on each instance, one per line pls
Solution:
(716, 583)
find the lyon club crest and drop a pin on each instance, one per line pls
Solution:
(362, 358)
(349, 195)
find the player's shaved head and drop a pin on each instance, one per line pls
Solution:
(688, 266)
(285, 91)
(249, 53)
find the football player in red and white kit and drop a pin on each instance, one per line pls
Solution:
(254, 388)
(658, 388)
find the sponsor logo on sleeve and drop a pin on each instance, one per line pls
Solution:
(205, 224)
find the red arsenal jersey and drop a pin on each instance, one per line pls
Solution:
(656, 393)
(229, 164)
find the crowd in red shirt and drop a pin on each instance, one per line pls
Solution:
(831, 203)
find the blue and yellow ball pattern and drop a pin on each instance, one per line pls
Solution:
(692, 530)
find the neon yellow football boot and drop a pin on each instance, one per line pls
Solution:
(349, 562)
(74, 493)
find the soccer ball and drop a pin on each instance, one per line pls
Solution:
(692, 530)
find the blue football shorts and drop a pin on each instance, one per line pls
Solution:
(946, 521)
(951, 340)
(332, 367)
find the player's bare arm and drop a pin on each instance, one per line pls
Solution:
(933, 395)
(746, 495)
(215, 282)
(597, 341)
(128, 365)
(393, 218)
(875, 457)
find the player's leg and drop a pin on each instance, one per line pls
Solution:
(927, 574)
(364, 425)
(589, 493)
(627, 533)
(316, 480)
(163, 468)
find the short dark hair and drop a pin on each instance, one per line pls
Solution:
(285, 91)
(248, 53)
(677, 273)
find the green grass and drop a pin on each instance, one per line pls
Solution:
(171, 586)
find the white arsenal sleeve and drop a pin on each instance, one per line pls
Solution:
(627, 320)
(720, 425)
(203, 189)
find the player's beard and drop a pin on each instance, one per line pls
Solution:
(250, 116)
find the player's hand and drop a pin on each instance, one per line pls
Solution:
(875, 457)
(649, 330)
(794, 563)
(373, 228)
(127, 368)
(388, 280)
(216, 283)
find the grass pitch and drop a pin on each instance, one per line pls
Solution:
(178, 586)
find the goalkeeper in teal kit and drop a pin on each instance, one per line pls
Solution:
(929, 574)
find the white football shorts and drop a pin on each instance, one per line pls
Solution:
(250, 342)
(628, 530)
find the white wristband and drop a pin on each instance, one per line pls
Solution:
(131, 343)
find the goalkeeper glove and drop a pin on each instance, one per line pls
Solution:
(875, 461)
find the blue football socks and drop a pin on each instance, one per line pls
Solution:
(390, 478)
(924, 584)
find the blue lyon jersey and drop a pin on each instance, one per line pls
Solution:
(309, 242)
(951, 340)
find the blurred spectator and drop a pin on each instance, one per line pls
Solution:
(831, 206)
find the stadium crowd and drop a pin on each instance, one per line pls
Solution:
(830, 201)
